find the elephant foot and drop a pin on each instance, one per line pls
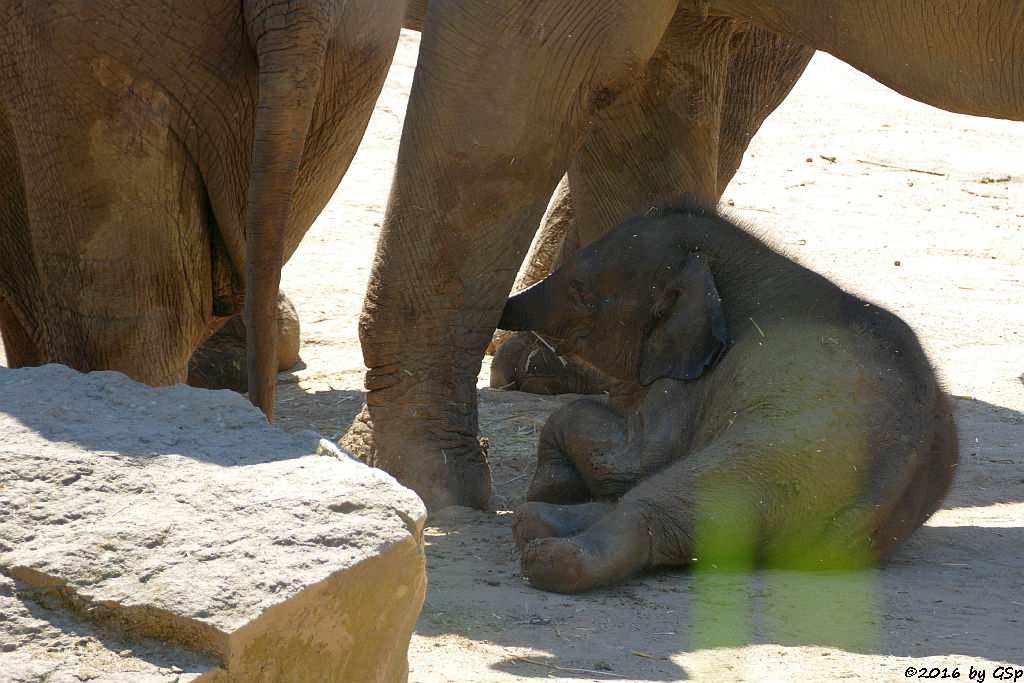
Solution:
(567, 565)
(532, 521)
(528, 362)
(219, 363)
(441, 476)
(612, 548)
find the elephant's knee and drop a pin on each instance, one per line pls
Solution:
(556, 480)
(581, 455)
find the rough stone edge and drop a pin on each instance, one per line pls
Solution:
(367, 638)
(238, 651)
(130, 621)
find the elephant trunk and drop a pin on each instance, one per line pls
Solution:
(290, 43)
(525, 310)
(544, 307)
(513, 316)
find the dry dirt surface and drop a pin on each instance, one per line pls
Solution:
(916, 209)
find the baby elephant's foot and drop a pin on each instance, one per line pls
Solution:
(584, 561)
(544, 520)
(558, 564)
(565, 565)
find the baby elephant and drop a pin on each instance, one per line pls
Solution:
(769, 417)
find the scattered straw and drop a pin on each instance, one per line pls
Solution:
(900, 168)
(569, 669)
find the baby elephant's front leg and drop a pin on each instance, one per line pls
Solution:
(582, 455)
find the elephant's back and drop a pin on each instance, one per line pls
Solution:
(830, 429)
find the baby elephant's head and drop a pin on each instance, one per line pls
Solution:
(636, 304)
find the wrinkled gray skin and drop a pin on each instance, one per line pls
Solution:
(760, 70)
(472, 181)
(649, 123)
(159, 161)
(772, 419)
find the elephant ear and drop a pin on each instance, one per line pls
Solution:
(686, 331)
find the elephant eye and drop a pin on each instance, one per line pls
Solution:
(667, 301)
(584, 297)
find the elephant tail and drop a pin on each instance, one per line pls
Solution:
(290, 40)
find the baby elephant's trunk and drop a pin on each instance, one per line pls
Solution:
(524, 310)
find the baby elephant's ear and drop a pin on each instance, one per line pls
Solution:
(686, 330)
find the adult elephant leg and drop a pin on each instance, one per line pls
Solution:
(501, 95)
(17, 272)
(762, 72)
(105, 264)
(19, 348)
(668, 130)
(116, 216)
(682, 116)
(127, 278)
(546, 244)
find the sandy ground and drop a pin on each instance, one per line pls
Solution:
(914, 208)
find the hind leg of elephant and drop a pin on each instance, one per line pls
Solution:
(124, 285)
(16, 273)
(471, 184)
(584, 453)
(19, 348)
(762, 71)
